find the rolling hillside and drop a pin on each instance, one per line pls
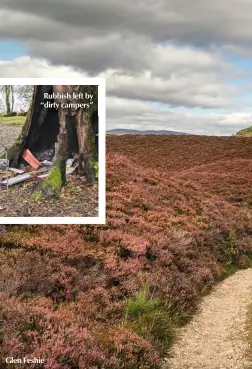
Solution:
(178, 221)
(145, 132)
(246, 132)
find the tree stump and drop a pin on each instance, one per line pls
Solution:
(46, 128)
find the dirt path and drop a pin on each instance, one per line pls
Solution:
(216, 337)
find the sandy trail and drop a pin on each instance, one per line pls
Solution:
(216, 337)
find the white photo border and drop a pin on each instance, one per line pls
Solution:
(100, 82)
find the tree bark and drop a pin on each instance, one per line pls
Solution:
(57, 176)
(12, 98)
(7, 98)
(31, 128)
(86, 147)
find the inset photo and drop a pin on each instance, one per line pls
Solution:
(52, 151)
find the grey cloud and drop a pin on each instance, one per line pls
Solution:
(36, 68)
(201, 22)
(133, 113)
(195, 89)
(178, 75)
(191, 91)
(96, 54)
(129, 53)
(31, 27)
(168, 51)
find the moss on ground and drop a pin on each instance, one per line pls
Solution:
(52, 184)
(94, 164)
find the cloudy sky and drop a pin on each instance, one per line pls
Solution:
(170, 64)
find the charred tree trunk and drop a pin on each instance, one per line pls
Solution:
(82, 127)
(86, 147)
(33, 128)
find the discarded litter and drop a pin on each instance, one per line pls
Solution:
(12, 176)
(3, 164)
(71, 170)
(69, 162)
(45, 155)
(43, 175)
(17, 179)
(47, 163)
(31, 176)
(68, 171)
(14, 170)
(27, 156)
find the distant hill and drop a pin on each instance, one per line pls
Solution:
(147, 132)
(246, 132)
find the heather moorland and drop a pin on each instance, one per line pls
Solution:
(109, 297)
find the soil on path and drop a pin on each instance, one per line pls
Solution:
(216, 337)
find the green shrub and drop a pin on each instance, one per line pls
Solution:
(140, 304)
(150, 319)
(229, 247)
